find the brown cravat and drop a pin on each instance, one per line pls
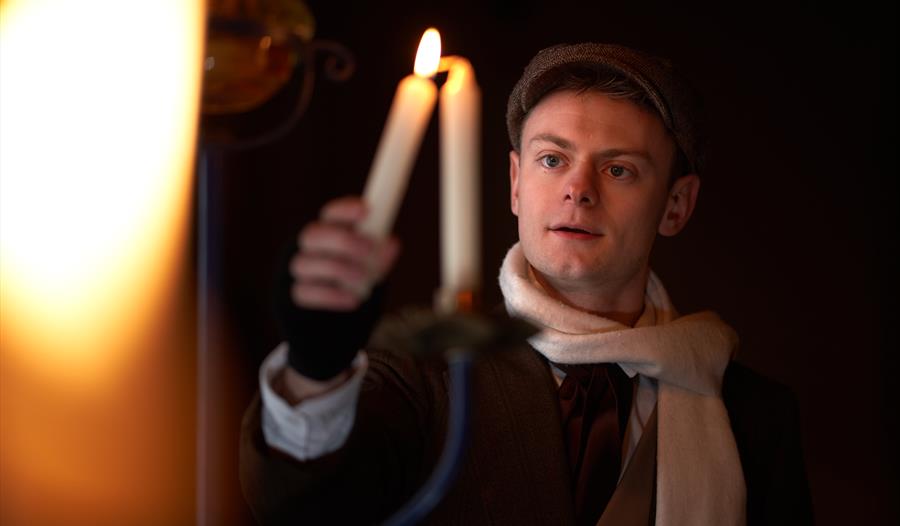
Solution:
(594, 401)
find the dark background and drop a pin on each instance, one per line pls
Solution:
(792, 242)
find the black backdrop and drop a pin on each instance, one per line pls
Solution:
(792, 241)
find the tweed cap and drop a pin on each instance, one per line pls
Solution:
(670, 94)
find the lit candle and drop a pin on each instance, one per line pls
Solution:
(409, 115)
(460, 127)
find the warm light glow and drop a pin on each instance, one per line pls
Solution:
(98, 118)
(97, 124)
(428, 56)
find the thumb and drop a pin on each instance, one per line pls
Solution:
(386, 257)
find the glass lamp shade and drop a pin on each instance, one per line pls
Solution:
(252, 48)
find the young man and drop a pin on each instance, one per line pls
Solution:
(619, 412)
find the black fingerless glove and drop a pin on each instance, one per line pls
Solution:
(323, 343)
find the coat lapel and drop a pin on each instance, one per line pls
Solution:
(518, 453)
(633, 503)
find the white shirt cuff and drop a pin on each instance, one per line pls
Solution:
(316, 426)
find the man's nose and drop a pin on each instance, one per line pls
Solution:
(580, 189)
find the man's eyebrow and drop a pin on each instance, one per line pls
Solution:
(555, 139)
(612, 153)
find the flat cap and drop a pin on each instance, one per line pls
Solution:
(676, 101)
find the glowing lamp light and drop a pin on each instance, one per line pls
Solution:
(98, 119)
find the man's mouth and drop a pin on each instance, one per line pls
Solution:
(573, 231)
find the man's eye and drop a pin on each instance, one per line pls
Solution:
(551, 161)
(619, 171)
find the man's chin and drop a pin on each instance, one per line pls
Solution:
(572, 271)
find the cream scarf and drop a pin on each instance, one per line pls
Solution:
(699, 476)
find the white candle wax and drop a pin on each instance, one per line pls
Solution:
(400, 141)
(460, 127)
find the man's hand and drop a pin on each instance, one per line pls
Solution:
(331, 299)
(336, 267)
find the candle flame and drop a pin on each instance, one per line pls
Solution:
(428, 55)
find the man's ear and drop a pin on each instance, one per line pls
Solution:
(680, 204)
(514, 182)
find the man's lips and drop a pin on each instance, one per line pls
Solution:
(573, 231)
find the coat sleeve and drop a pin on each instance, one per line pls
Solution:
(377, 469)
(765, 419)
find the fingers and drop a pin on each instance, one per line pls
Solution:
(317, 268)
(324, 296)
(387, 256)
(346, 210)
(336, 240)
(336, 266)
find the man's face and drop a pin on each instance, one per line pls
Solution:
(590, 188)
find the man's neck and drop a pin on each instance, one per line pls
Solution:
(621, 302)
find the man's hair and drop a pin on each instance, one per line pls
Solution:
(583, 78)
(621, 73)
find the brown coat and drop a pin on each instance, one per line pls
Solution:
(515, 471)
